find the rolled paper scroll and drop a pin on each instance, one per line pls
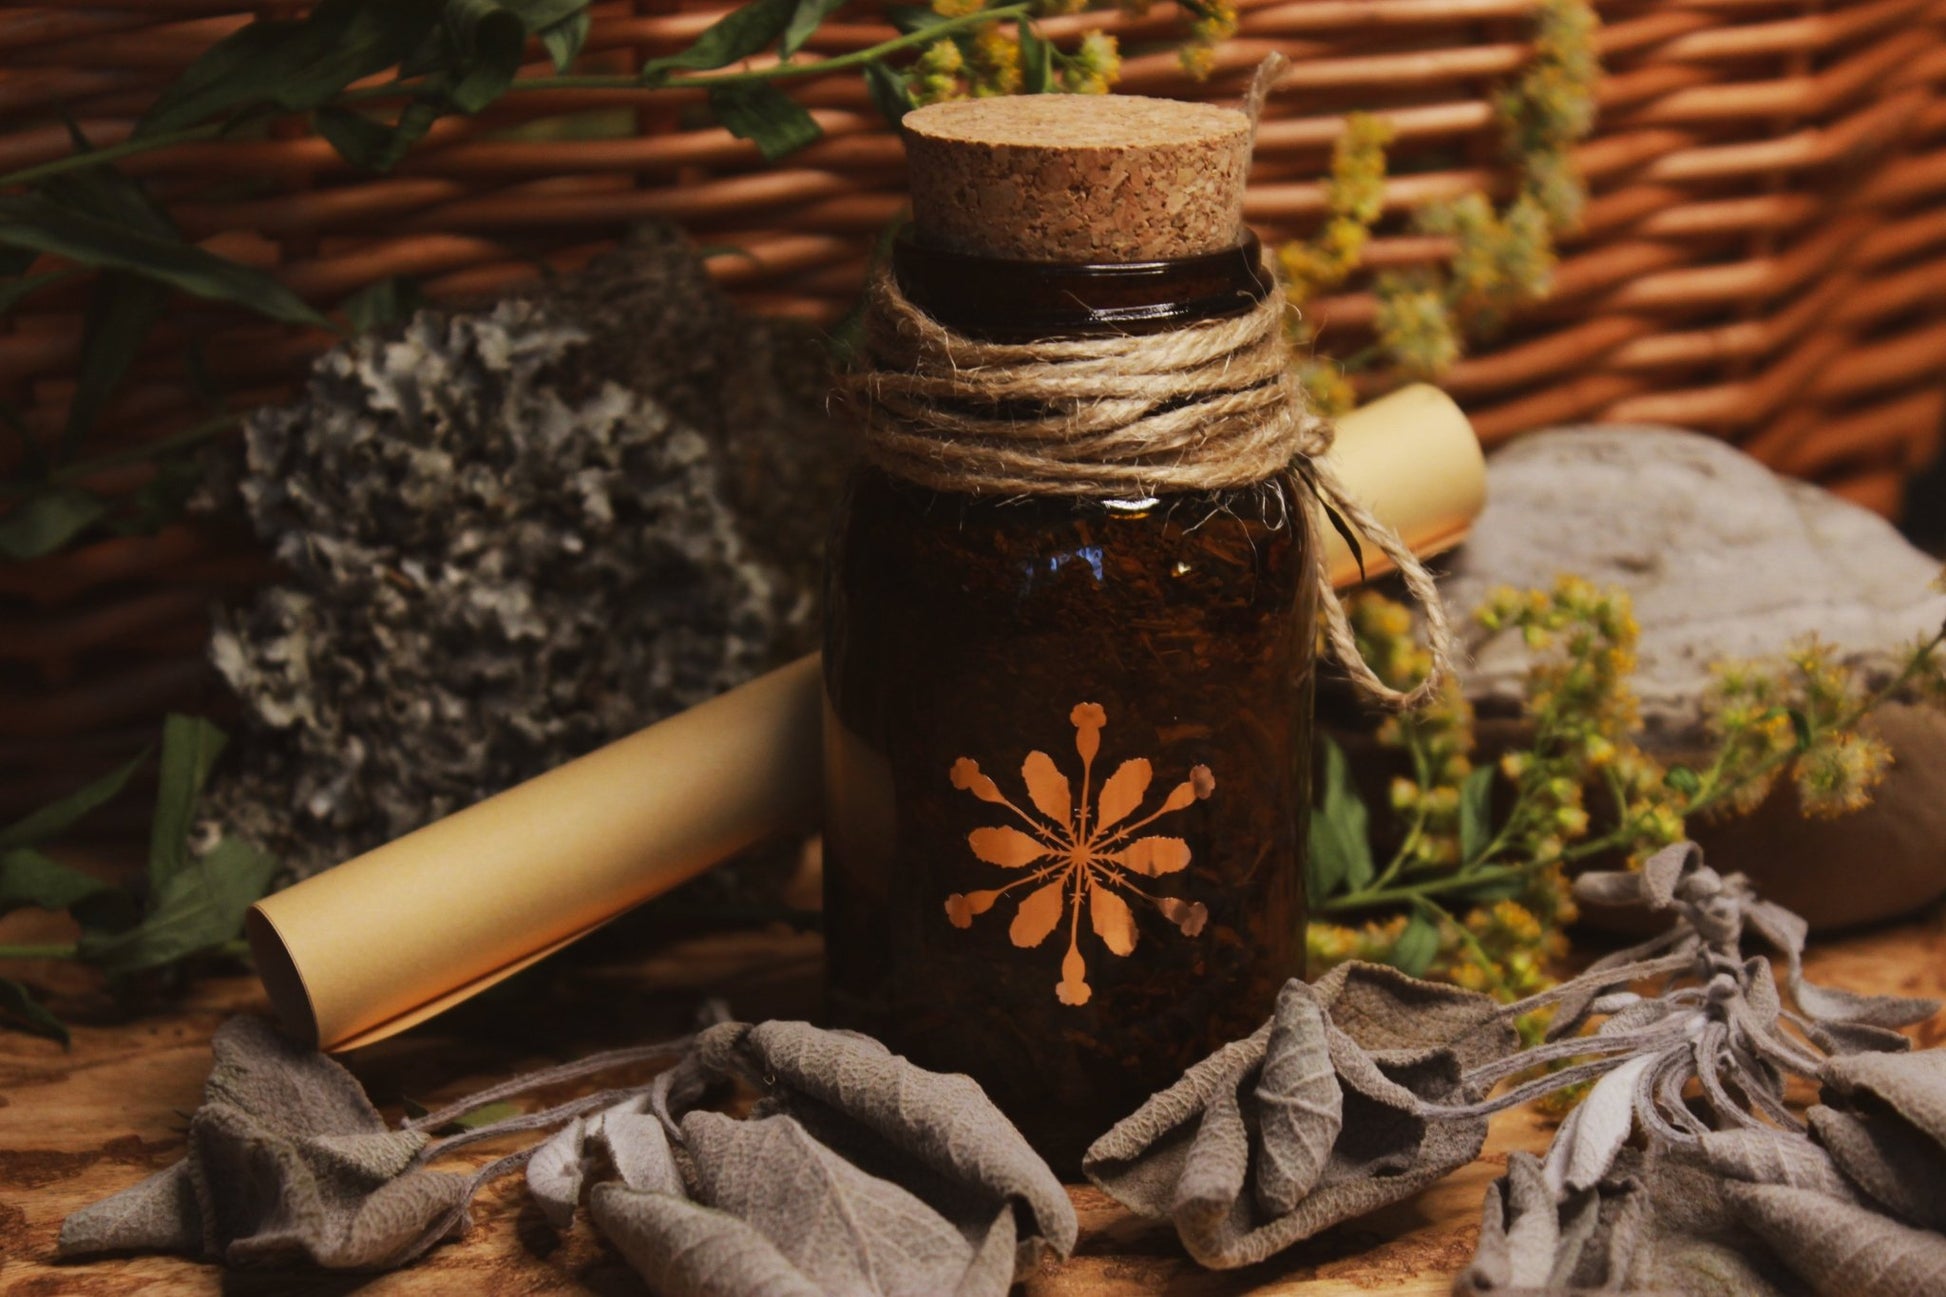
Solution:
(388, 940)
(399, 934)
(1413, 459)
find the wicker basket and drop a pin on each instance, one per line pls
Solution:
(1763, 256)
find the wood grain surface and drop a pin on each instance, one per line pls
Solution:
(79, 1124)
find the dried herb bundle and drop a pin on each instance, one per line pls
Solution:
(512, 535)
(1685, 1169)
(1477, 878)
(856, 1172)
(1257, 1147)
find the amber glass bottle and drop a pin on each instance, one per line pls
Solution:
(1067, 742)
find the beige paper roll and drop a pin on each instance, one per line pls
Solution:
(1414, 460)
(389, 939)
(402, 933)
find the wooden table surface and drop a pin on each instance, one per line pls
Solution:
(77, 1125)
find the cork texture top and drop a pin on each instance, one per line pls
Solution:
(1078, 178)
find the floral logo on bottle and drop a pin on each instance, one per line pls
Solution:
(1076, 854)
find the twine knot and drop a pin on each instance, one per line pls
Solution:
(1210, 407)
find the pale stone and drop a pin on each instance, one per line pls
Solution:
(1724, 559)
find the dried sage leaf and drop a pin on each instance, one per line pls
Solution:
(1585, 1146)
(1880, 1155)
(1226, 1152)
(844, 1230)
(1841, 1249)
(288, 1161)
(685, 1250)
(1302, 1110)
(901, 1121)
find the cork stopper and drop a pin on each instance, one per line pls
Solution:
(1078, 178)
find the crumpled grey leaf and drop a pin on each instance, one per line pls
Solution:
(887, 1115)
(844, 1230)
(1841, 1249)
(1197, 1153)
(1587, 1142)
(1884, 1123)
(680, 1247)
(1764, 1155)
(1689, 1119)
(287, 1161)
(626, 1138)
(1300, 1108)
(1658, 1224)
(856, 1173)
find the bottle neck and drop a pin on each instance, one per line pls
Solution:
(998, 300)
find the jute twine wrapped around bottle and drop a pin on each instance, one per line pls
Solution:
(1212, 406)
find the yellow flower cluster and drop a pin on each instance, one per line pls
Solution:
(1792, 717)
(1354, 197)
(1502, 258)
(1496, 844)
(1416, 328)
(985, 60)
(1211, 23)
(1094, 67)
(1501, 261)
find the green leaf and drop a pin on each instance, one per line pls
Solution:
(1683, 780)
(199, 907)
(414, 121)
(107, 193)
(806, 18)
(537, 14)
(1801, 726)
(47, 520)
(761, 113)
(28, 877)
(58, 817)
(1036, 61)
(737, 35)
(888, 91)
(190, 746)
(488, 40)
(35, 223)
(28, 1013)
(358, 139)
(908, 20)
(564, 39)
(164, 497)
(1416, 947)
(1476, 814)
(484, 1115)
(386, 302)
(1340, 852)
(122, 310)
(295, 66)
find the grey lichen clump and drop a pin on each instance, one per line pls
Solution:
(512, 535)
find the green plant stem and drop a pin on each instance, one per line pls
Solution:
(38, 952)
(190, 436)
(1421, 773)
(1373, 897)
(396, 89)
(128, 148)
